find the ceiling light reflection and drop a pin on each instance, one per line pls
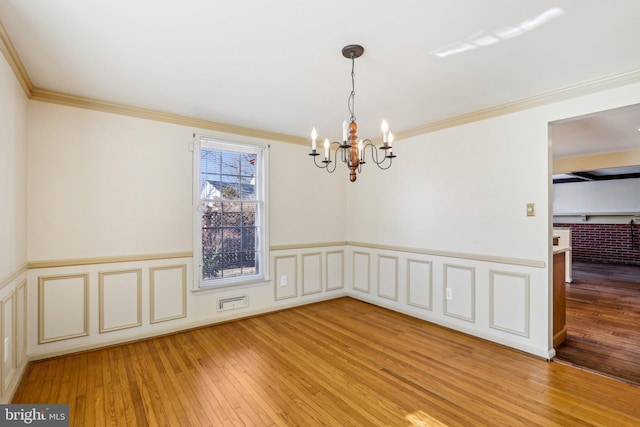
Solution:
(485, 40)
(543, 18)
(453, 49)
(508, 33)
(505, 33)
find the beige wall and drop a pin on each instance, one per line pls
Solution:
(13, 172)
(107, 185)
(459, 189)
(13, 231)
(307, 204)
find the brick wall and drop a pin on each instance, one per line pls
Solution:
(605, 243)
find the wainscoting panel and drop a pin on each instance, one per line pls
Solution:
(388, 277)
(361, 281)
(8, 336)
(63, 307)
(501, 312)
(58, 303)
(311, 273)
(13, 335)
(335, 270)
(168, 292)
(120, 295)
(509, 302)
(461, 281)
(20, 311)
(420, 283)
(286, 277)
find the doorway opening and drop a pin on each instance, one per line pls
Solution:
(596, 195)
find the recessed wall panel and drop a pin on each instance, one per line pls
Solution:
(361, 272)
(8, 355)
(460, 280)
(21, 322)
(509, 302)
(120, 299)
(63, 307)
(311, 273)
(286, 277)
(168, 293)
(388, 277)
(419, 283)
(335, 270)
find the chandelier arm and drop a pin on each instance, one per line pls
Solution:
(326, 164)
(374, 152)
(367, 143)
(343, 151)
(335, 154)
(329, 164)
(385, 167)
(382, 164)
(315, 162)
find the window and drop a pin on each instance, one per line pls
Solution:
(231, 230)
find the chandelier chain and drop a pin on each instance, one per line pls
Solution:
(351, 102)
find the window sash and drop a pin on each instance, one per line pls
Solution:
(245, 243)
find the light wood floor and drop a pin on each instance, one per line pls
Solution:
(336, 363)
(603, 320)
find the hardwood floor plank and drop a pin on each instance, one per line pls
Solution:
(340, 362)
(79, 388)
(52, 383)
(94, 409)
(156, 398)
(603, 320)
(329, 381)
(382, 375)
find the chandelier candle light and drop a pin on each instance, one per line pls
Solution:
(351, 150)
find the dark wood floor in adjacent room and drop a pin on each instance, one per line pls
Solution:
(335, 363)
(603, 320)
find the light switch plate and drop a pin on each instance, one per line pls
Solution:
(531, 209)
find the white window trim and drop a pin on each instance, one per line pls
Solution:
(199, 285)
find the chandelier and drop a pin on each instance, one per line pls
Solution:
(351, 150)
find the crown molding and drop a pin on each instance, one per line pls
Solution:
(597, 85)
(14, 61)
(53, 97)
(581, 89)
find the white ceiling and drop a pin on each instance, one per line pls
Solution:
(601, 132)
(277, 65)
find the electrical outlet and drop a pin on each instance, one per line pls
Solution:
(283, 280)
(449, 294)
